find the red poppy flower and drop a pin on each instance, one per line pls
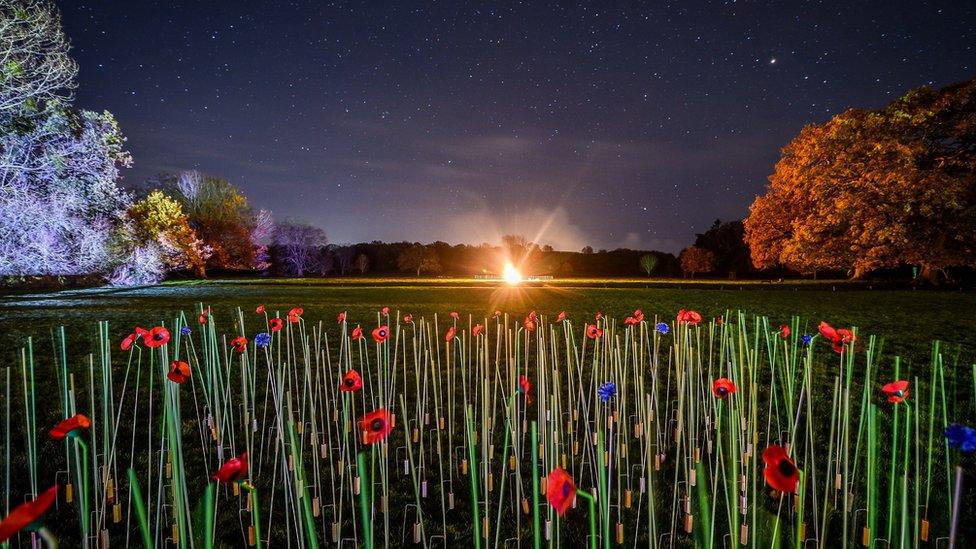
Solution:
(598, 316)
(295, 314)
(718, 321)
(784, 331)
(723, 387)
(140, 331)
(157, 337)
(408, 318)
(780, 472)
(385, 311)
(837, 337)
(828, 331)
(67, 427)
(351, 382)
(897, 391)
(450, 334)
(691, 317)
(239, 344)
(497, 313)
(525, 388)
(27, 514)
(357, 333)
(234, 470)
(476, 331)
(260, 309)
(179, 371)
(375, 426)
(593, 331)
(561, 317)
(276, 324)
(639, 315)
(528, 324)
(381, 334)
(455, 315)
(341, 317)
(533, 316)
(204, 315)
(560, 490)
(631, 321)
(128, 341)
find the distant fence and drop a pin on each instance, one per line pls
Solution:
(496, 278)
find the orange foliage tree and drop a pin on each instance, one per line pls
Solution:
(697, 260)
(875, 189)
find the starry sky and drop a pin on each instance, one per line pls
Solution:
(612, 124)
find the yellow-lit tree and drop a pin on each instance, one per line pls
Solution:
(875, 189)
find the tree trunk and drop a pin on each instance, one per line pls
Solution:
(930, 275)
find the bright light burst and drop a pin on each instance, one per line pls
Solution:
(511, 275)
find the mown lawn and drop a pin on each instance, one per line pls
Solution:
(908, 321)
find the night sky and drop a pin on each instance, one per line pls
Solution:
(573, 123)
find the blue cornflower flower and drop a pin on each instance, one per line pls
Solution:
(607, 390)
(262, 339)
(807, 339)
(185, 330)
(961, 436)
(662, 327)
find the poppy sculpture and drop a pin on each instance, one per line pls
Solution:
(375, 426)
(341, 317)
(27, 515)
(529, 324)
(276, 324)
(477, 330)
(234, 470)
(897, 391)
(593, 331)
(128, 341)
(449, 336)
(838, 337)
(562, 316)
(260, 309)
(69, 427)
(689, 317)
(784, 331)
(157, 337)
(381, 334)
(780, 472)
(239, 344)
(455, 315)
(723, 387)
(525, 388)
(560, 490)
(351, 382)
(357, 333)
(408, 318)
(179, 372)
(295, 315)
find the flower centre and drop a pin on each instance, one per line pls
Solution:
(787, 468)
(377, 425)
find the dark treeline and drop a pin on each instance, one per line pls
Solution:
(443, 259)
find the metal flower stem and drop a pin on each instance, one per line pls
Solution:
(255, 512)
(505, 452)
(592, 505)
(473, 473)
(364, 501)
(140, 510)
(536, 534)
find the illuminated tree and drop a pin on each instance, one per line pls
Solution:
(875, 189)
(696, 260)
(35, 67)
(647, 263)
(362, 263)
(222, 217)
(298, 246)
(159, 223)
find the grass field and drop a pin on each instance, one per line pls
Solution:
(907, 321)
(668, 375)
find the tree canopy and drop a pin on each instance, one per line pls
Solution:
(875, 189)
